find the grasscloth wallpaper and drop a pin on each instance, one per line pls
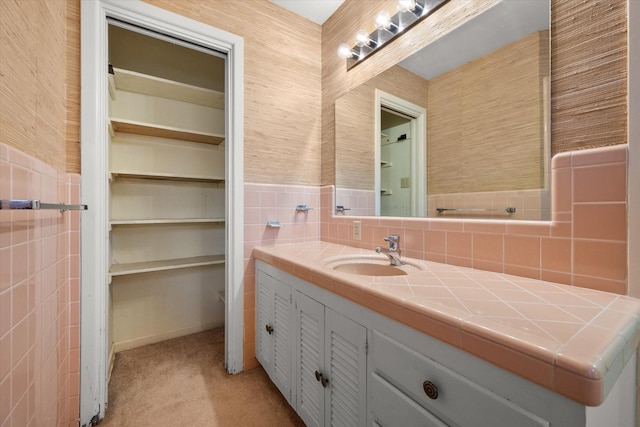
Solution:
(588, 74)
(290, 64)
(282, 85)
(485, 124)
(33, 74)
(355, 119)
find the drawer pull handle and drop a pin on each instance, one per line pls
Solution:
(269, 328)
(430, 389)
(322, 379)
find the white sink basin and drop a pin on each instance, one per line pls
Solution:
(370, 265)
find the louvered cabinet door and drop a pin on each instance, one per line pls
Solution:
(282, 372)
(309, 337)
(274, 323)
(346, 365)
(264, 312)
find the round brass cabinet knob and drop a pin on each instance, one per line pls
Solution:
(430, 389)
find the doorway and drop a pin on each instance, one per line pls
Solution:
(96, 241)
(400, 157)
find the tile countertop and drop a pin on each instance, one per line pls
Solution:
(572, 340)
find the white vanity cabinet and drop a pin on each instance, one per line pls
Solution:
(388, 374)
(331, 366)
(274, 328)
(313, 354)
(445, 397)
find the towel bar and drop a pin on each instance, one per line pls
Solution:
(15, 204)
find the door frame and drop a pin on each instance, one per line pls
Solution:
(94, 184)
(418, 150)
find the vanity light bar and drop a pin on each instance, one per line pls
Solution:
(410, 12)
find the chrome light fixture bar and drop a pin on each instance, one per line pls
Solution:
(410, 12)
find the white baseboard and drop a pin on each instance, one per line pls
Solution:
(151, 339)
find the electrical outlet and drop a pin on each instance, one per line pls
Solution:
(357, 230)
(404, 182)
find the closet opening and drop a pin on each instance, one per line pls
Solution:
(166, 188)
(400, 157)
(162, 172)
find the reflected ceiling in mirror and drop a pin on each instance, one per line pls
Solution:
(485, 88)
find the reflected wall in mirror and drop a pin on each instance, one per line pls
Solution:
(485, 89)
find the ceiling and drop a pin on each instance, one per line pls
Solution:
(315, 10)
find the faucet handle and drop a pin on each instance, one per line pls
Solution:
(393, 240)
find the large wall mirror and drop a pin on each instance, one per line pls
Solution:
(459, 129)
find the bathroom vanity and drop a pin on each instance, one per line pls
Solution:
(439, 345)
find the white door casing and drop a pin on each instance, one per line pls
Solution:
(94, 184)
(418, 150)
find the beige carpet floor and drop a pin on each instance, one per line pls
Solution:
(182, 382)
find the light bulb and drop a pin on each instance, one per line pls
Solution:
(362, 38)
(383, 20)
(406, 5)
(344, 51)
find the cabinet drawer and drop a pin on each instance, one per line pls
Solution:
(459, 401)
(391, 407)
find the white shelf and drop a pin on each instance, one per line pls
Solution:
(172, 264)
(166, 221)
(152, 129)
(150, 85)
(396, 141)
(115, 174)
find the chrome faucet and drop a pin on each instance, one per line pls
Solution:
(393, 251)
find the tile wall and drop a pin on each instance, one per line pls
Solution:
(356, 202)
(267, 202)
(584, 244)
(39, 296)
